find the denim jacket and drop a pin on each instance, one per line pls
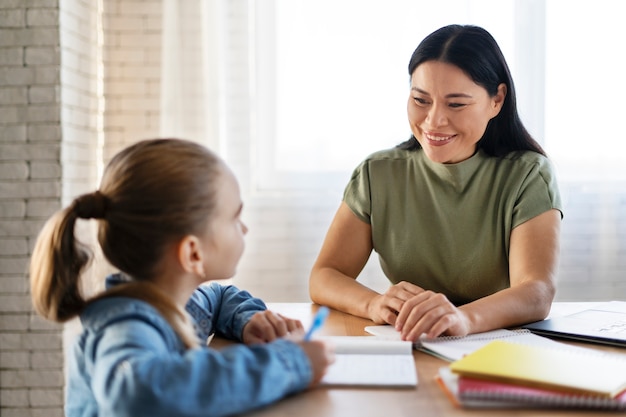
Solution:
(128, 361)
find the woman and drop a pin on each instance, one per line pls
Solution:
(168, 215)
(465, 215)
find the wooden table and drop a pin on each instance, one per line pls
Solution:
(427, 400)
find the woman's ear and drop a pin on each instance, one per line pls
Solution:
(498, 100)
(190, 255)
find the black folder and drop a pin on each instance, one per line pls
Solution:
(604, 323)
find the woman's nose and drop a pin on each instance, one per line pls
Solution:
(437, 116)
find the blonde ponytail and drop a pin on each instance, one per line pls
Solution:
(56, 264)
(59, 259)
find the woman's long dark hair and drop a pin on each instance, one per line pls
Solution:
(476, 52)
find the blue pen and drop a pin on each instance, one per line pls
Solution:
(318, 321)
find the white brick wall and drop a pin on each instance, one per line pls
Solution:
(132, 62)
(46, 134)
(593, 255)
(30, 189)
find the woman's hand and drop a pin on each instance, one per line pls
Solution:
(432, 314)
(266, 326)
(384, 308)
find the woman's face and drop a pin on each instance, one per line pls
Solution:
(448, 112)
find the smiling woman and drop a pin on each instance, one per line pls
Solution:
(465, 215)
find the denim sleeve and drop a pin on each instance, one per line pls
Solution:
(136, 373)
(227, 307)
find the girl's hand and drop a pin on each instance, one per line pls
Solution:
(321, 355)
(266, 326)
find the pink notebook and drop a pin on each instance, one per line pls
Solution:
(476, 393)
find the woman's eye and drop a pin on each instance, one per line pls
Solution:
(456, 105)
(419, 100)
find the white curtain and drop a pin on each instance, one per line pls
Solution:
(190, 77)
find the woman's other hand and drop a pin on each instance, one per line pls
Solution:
(432, 314)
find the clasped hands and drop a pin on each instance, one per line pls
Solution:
(414, 311)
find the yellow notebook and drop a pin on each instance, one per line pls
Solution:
(581, 371)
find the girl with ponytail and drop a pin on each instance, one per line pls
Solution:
(168, 214)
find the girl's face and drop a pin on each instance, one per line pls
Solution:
(225, 237)
(448, 112)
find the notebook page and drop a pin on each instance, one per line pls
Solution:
(368, 345)
(396, 370)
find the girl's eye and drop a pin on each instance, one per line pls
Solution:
(456, 105)
(419, 100)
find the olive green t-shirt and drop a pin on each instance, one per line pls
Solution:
(446, 227)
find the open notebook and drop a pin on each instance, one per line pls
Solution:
(451, 348)
(604, 323)
(371, 361)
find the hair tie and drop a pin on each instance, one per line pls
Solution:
(91, 206)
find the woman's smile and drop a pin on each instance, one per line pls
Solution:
(439, 139)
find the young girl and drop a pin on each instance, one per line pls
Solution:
(168, 215)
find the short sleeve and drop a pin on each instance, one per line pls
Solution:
(539, 193)
(357, 194)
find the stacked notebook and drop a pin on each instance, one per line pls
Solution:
(509, 375)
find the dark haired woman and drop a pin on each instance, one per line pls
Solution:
(464, 216)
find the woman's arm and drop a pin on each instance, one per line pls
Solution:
(344, 253)
(533, 262)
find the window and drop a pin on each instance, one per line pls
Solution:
(584, 86)
(332, 84)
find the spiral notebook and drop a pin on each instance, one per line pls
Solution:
(581, 371)
(466, 392)
(451, 348)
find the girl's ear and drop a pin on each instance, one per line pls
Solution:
(190, 255)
